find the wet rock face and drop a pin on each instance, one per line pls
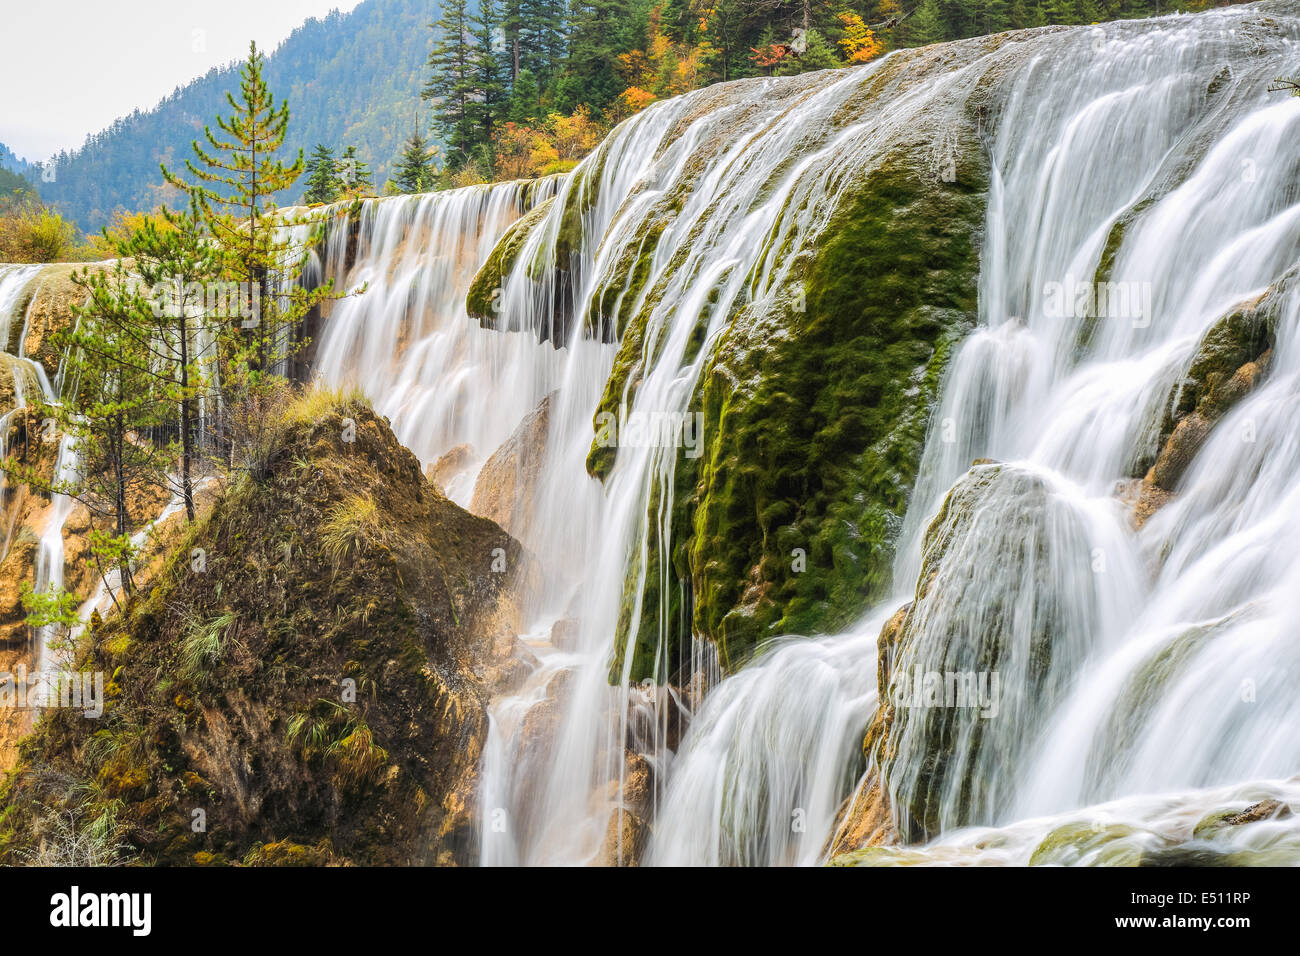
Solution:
(319, 688)
(1230, 362)
(449, 466)
(47, 307)
(814, 419)
(483, 299)
(987, 648)
(506, 489)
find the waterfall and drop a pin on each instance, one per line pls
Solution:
(13, 280)
(1101, 127)
(1142, 669)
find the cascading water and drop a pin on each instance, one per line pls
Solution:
(1099, 126)
(1150, 150)
(13, 280)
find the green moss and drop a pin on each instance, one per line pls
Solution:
(1233, 341)
(815, 422)
(1094, 843)
(481, 301)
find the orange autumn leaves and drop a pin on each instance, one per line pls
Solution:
(859, 43)
(664, 68)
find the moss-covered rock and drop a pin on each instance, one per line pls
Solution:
(814, 402)
(815, 433)
(316, 675)
(983, 650)
(1231, 360)
(482, 301)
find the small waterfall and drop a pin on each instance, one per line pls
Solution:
(49, 557)
(13, 280)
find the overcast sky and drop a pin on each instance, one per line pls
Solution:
(71, 67)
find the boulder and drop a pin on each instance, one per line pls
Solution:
(506, 489)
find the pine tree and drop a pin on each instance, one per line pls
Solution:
(926, 25)
(543, 35)
(322, 184)
(600, 31)
(525, 99)
(997, 16)
(817, 55)
(414, 170)
(109, 410)
(235, 179)
(178, 263)
(487, 106)
(451, 86)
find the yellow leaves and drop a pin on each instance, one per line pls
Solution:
(577, 134)
(123, 225)
(634, 68)
(635, 99)
(556, 144)
(858, 42)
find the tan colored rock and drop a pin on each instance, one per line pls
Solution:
(564, 634)
(449, 466)
(49, 310)
(17, 569)
(864, 820)
(1264, 810)
(623, 839)
(506, 488)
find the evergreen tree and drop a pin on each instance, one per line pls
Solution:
(177, 263)
(543, 35)
(106, 416)
(322, 183)
(414, 170)
(997, 16)
(926, 25)
(817, 55)
(451, 87)
(488, 104)
(601, 30)
(525, 99)
(1061, 11)
(234, 181)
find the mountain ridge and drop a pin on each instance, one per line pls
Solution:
(322, 69)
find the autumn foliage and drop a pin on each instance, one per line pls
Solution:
(555, 145)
